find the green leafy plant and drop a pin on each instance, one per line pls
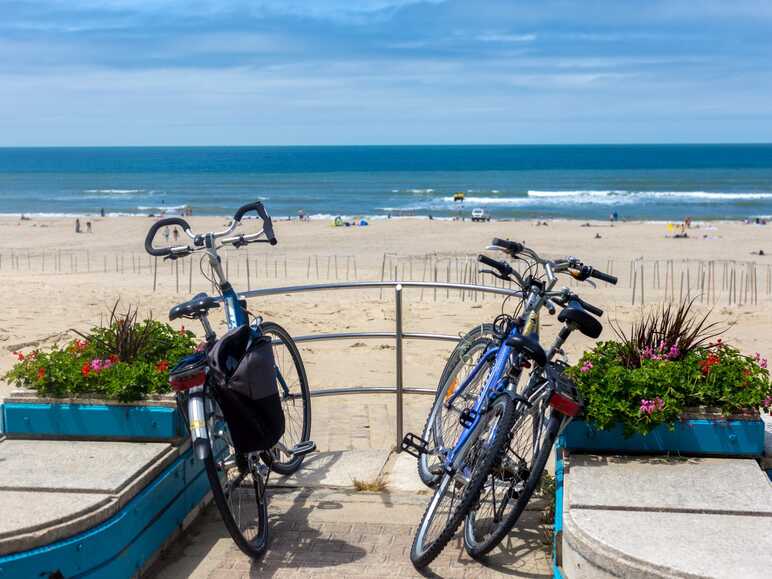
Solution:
(665, 367)
(124, 360)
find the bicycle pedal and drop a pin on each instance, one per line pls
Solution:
(467, 417)
(414, 445)
(303, 448)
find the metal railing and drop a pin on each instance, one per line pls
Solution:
(399, 335)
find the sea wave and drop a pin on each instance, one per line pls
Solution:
(642, 195)
(111, 191)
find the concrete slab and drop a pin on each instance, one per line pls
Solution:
(34, 518)
(74, 466)
(26, 511)
(402, 475)
(337, 469)
(601, 543)
(729, 486)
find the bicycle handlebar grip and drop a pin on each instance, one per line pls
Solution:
(511, 246)
(500, 266)
(604, 276)
(261, 212)
(163, 251)
(589, 307)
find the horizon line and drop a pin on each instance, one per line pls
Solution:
(332, 146)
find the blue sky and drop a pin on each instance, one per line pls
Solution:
(190, 72)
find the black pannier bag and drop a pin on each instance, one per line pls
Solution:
(244, 375)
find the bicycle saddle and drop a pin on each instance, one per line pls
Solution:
(585, 321)
(529, 347)
(194, 308)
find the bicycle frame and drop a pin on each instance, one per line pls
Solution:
(500, 380)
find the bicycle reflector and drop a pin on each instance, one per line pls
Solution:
(565, 404)
(189, 373)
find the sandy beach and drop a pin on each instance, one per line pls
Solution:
(56, 280)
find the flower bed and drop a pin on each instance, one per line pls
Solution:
(125, 360)
(670, 364)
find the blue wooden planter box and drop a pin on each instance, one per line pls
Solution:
(698, 436)
(48, 419)
(124, 543)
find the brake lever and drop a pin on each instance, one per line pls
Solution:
(495, 274)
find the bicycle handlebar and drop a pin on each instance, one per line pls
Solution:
(511, 247)
(164, 251)
(502, 267)
(267, 223)
(198, 240)
(608, 278)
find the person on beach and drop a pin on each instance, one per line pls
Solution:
(175, 234)
(166, 234)
(88, 227)
(77, 225)
(102, 212)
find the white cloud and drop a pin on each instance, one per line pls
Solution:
(504, 38)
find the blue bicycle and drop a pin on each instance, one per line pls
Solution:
(487, 465)
(240, 439)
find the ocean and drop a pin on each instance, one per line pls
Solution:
(649, 182)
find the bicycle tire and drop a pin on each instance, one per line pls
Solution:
(296, 434)
(253, 547)
(479, 548)
(474, 339)
(485, 461)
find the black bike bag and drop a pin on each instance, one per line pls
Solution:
(243, 373)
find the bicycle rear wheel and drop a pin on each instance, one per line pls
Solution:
(238, 487)
(295, 397)
(445, 512)
(508, 489)
(442, 427)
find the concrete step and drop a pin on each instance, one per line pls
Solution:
(665, 517)
(54, 489)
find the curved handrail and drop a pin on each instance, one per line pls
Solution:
(398, 335)
(376, 285)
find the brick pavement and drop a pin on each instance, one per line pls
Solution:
(341, 533)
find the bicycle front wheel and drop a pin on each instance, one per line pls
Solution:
(295, 398)
(458, 493)
(443, 427)
(238, 487)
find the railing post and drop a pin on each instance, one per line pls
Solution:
(398, 333)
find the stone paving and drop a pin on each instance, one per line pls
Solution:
(341, 533)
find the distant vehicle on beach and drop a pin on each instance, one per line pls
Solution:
(479, 215)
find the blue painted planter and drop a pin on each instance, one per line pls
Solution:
(700, 436)
(91, 421)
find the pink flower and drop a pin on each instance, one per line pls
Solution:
(96, 364)
(767, 402)
(647, 406)
(586, 367)
(674, 352)
(763, 363)
(659, 403)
